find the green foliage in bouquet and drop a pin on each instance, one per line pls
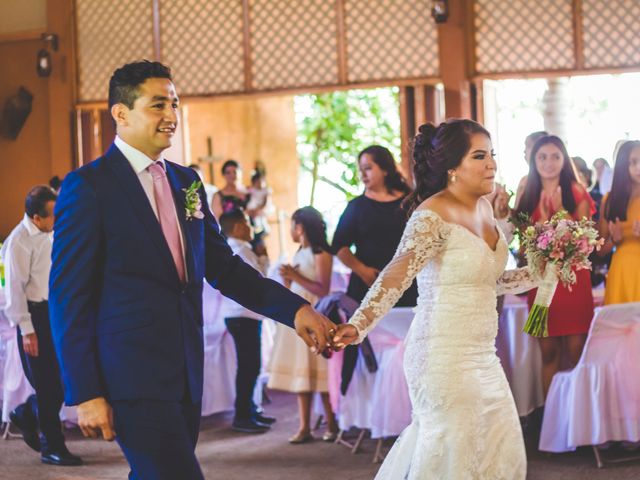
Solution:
(555, 249)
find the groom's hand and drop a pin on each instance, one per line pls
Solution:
(315, 329)
(95, 417)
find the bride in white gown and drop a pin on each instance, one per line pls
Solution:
(464, 421)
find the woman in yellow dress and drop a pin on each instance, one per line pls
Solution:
(620, 226)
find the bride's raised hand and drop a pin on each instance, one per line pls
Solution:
(345, 335)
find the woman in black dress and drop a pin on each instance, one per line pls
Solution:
(233, 196)
(373, 223)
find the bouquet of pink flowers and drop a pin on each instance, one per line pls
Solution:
(555, 249)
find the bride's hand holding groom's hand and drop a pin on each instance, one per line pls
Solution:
(345, 335)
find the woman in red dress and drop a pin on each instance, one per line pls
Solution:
(552, 186)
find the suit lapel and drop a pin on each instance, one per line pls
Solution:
(140, 203)
(179, 200)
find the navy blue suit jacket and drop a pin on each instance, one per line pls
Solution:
(123, 324)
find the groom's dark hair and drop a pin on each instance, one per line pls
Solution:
(124, 83)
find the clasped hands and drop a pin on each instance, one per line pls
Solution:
(550, 203)
(320, 333)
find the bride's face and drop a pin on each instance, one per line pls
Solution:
(477, 171)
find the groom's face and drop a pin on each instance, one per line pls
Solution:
(150, 125)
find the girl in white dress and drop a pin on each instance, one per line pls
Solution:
(292, 367)
(464, 421)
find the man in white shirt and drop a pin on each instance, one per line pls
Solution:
(245, 327)
(27, 258)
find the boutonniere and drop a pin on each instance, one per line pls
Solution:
(192, 202)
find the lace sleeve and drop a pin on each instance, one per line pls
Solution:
(424, 237)
(516, 281)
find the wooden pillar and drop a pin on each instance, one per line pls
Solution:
(418, 105)
(407, 131)
(62, 117)
(455, 53)
(556, 106)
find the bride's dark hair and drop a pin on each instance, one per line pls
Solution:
(436, 150)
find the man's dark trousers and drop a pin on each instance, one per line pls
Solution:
(159, 437)
(43, 374)
(246, 335)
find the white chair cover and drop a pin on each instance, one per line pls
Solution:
(379, 401)
(390, 403)
(219, 390)
(599, 400)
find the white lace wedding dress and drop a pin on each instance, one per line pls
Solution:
(464, 421)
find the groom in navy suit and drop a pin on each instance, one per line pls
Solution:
(134, 240)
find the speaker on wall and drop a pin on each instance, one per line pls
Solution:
(14, 115)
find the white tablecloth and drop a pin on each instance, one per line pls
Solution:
(520, 356)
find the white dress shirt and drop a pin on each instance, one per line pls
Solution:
(27, 261)
(140, 164)
(243, 250)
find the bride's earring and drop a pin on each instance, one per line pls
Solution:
(454, 179)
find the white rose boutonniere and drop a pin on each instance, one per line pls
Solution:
(192, 202)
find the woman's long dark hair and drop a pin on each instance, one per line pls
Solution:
(436, 150)
(393, 180)
(314, 228)
(618, 199)
(533, 189)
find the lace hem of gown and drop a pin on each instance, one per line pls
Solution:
(424, 238)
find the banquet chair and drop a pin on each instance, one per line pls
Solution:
(599, 400)
(378, 404)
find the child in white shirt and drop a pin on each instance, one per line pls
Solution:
(245, 328)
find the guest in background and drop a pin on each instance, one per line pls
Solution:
(620, 225)
(233, 195)
(259, 204)
(55, 183)
(373, 223)
(528, 146)
(583, 171)
(602, 185)
(599, 264)
(552, 185)
(292, 367)
(209, 189)
(604, 173)
(27, 258)
(245, 328)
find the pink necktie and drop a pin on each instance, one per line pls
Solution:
(167, 215)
